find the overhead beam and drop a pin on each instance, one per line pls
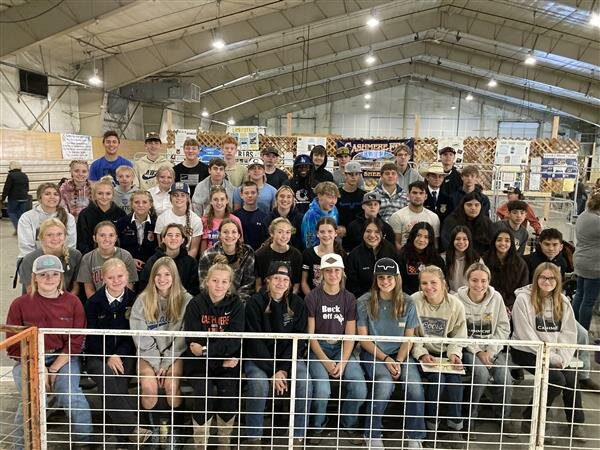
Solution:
(35, 22)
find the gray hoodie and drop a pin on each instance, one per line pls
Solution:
(485, 320)
(159, 351)
(529, 326)
(29, 225)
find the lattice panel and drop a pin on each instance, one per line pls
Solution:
(481, 151)
(540, 146)
(282, 143)
(210, 139)
(425, 150)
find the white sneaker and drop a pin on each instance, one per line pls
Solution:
(414, 443)
(374, 444)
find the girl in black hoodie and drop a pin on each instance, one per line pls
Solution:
(275, 309)
(174, 244)
(214, 361)
(101, 208)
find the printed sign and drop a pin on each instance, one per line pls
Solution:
(76, 146)
(559, 165)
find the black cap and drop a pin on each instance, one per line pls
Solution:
(275, 268)
(512, 190)
(386, 266)
(447, 150)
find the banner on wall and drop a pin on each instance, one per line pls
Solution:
(76, 146)
(457, 144)
(175, 154)
(511, 159)
(248, 141)
(305, 144)
(559, 165)
(208, 152)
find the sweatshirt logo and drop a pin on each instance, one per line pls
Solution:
(150, 174)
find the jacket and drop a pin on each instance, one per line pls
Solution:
(485, 320)
(443, 205)
(201, 197)
(536, 258)
(390, 203)
(159, 351)
(128, 240)
(227, 315)
(104, 316)
(187, 267)
(87, 221)
(452, 182)
(322, 174)
(360, 264)
(16, 186)
(310, 219)
(516, 277)
(268, 354)
(529, 326)
(458, 194)
(243, 269)
(481, 244)
(29, 225)
(354, 232)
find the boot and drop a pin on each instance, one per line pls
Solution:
(201, 433)
(224, 430)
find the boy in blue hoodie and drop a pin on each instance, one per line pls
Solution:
(324, 205)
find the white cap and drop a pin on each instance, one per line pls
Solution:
(331, 260)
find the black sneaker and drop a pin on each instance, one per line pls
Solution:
(353, 436)
(315, 437)
(589, 385)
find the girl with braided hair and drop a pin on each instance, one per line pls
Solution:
(53, 242)
(181, 212)
(48, 196)
(75, 193)
(240, 257)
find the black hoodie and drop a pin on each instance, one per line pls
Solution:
(361, 262)
(268, 354)
(227, 315)
(87, 220)
(187, 267)
(354, 232)
(321, 173)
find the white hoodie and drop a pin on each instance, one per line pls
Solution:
(528, 326)
(29, 226)
(485, 320)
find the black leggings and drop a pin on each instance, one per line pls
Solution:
(559, 380)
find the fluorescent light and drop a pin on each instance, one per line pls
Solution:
(370, 59)
(595, 20)
(372, 22)
(204, 113)
(231, 122)
(453, 107)
(368, 82)
(530, 60)
(492, 83)
(367, 96)
(95, 80)
(218, 44)
(367, 106)
(469, 97)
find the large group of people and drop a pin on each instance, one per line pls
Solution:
(227, 247)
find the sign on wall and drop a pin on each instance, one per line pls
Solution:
(559, 165)
(76, 146)
(176, 154)
(510, 162)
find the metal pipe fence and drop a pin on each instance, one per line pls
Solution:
(501, 406)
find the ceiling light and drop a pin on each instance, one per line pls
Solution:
(368, 82)
(492, 83)
(370, 59)
(453, 107)
(530, 60)
(595, 20)
(231, 122)
(367, 96)
(204, 113)
(95, 80)
(367, 106)
(469, 97)
(372, 22)
(218, 44)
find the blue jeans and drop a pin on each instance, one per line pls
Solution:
(356, 388)
(15, 209)
(586, 296)
(583, 355)
(383, 388)
(501, 378)
(69, 397)
(258, 392)
(452, 384)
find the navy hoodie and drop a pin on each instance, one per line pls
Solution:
(87, 220)
(187, 267)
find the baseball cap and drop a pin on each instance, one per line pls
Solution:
(152, 136)
(303, 160)
(436, 168)
(47, 263)
(512, 190)
(386, 266)
(256, 162)
(353, 167)
(342, 151)
(180, 186)
(371, 197)
(446, 150)
(331, 260)
(270, 150)
(279, 268)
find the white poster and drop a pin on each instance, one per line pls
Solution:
(456, 143)
(176, 154)
(510, 163)
(535, 176)
(76, 146)
(305, 144)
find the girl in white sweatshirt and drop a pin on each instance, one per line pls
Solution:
(542, 313)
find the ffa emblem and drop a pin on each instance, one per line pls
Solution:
(150, 236)
(442, 209)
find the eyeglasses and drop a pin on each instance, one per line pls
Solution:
(543, 278)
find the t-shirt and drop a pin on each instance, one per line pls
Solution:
(254, 224)
(265, 200)
(211, 235)
(102, 167)
(265, 255)
(386, 325)
(236, 174)
(277, 178)
(169, 217)
(311, 263)
(349, 205)
(90, 270)
(404, 219)
(331, 312)
(191, 175)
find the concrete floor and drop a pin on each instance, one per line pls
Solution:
(488, 432)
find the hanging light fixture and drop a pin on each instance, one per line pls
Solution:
(469, 97)
(204, 113)
(368, 82)
(370, 58)
(95, 80)
(530, 59)
(492, 83)
(367, 96)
